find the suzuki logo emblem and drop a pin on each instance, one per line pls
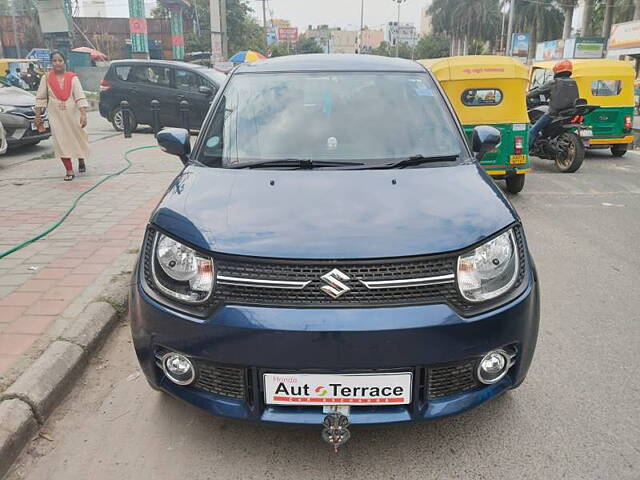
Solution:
(335, 288)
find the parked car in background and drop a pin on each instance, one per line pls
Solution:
(17, 115)
(333, 240)
(141, 81)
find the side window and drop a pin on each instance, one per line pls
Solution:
(122, 72)
(481, 96)
(606, 88)
(189, 81)
(151, 75)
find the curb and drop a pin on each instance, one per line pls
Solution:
(29, 401)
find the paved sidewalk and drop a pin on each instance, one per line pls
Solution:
(45, 286)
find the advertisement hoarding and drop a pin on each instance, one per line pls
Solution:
(520, 45)
(588, 47)
(288, 34)
(625, 36)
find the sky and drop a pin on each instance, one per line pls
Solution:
(340, 13)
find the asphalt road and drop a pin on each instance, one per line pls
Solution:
(577, 416)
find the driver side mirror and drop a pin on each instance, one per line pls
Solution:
(205, 90)
(175, 141)
(484, 139)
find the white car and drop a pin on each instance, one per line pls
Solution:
(3, 140)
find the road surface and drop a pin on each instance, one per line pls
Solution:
(577, 416)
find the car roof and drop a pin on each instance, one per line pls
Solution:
(209, 72)
(319, 62)
(593, 67)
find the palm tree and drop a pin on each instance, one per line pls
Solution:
(466, 22)
(568, 7)
(543, 21)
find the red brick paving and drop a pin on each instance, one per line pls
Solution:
(47, 307)
(88, 243)
(20, 299)
(13, 344)
(31, 324)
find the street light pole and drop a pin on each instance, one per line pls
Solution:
(399, 2)
(361, 27)
(512, 16)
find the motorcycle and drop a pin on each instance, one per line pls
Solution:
(565, 139)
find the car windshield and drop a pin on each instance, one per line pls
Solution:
(367, 118)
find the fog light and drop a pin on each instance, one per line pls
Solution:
(178, 368)
(493, 366)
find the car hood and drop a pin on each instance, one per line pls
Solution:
(16, 97)
(332, 214)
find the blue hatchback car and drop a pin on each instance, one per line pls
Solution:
(333, 252)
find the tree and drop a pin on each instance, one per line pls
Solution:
(303, 45)
(543, 21)
(432, 46)
(243, 31)
(384, 50)
(466, 21)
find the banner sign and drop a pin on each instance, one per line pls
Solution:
(520, 45)
(588, 47)
(625, 35)
(288, 34)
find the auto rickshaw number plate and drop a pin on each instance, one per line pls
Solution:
(518, 159)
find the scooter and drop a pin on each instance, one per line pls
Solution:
(565, 139)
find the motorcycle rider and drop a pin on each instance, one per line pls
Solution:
(562, 92)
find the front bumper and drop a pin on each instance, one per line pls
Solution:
(257, 340)
(19, 132)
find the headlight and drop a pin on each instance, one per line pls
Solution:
(490, 270)
(6, 108)
(181, 272)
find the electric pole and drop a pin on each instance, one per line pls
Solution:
(223, 29)
(216, 31)
(512, 17)
(264, 23)
(15, 28)
(361, 26)
(399, 2)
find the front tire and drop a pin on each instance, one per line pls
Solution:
(571, 154)
(618, 150)
(515, 183)
(118, 122)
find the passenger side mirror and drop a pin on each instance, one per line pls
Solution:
(175, 141)
(484, 139)
(205, 90)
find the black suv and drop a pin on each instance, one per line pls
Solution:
(141, 81)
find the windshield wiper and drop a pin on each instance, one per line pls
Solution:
(416, 160)
(295, 163)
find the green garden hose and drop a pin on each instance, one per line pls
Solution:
(75, 203)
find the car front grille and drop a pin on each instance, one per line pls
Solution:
(27, 112)
(452, 379)
(234, 274)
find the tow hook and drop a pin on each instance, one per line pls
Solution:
(336, 432)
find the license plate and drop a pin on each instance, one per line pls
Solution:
(518, 159)
(586, 133)
(34, 127)
(347, 389)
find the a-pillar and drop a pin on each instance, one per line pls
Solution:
(177, 34)
(138, 29)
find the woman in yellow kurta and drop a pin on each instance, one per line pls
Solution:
(61, 94)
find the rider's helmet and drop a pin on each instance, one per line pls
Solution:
(563, 66)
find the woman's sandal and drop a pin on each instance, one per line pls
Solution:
(69, 177)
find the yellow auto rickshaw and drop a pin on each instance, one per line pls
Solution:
(491, 90)
(608, 84)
